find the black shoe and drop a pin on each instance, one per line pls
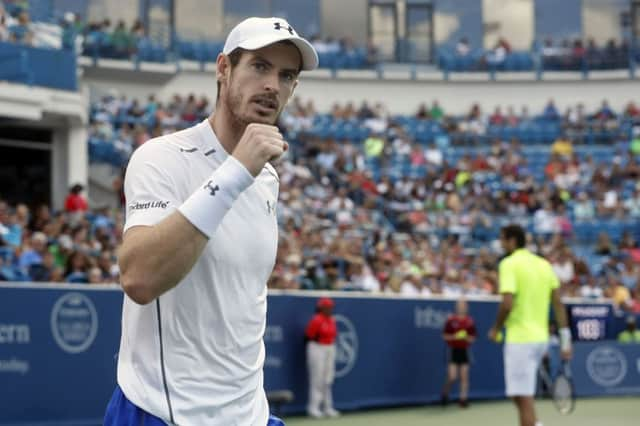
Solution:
(463, 403)
(444, 400)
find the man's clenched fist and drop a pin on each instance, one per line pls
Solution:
(259, 143)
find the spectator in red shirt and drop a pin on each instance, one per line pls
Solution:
(459, 333)
(75, 202)
(320, 336)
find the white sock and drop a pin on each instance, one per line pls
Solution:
(539, 423)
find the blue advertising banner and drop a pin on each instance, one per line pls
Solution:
(58, 348)
(389, 351)
(606, 368)
(57, 353)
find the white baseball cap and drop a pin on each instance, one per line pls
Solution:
(256, 33)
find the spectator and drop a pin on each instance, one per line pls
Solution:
(550, 111)
(21, 32)
(34, 253)
(95, 276)
(562, 147)
(462, 47)
(583, 208)
(121, 41)
(592, 290)
(630, 334)
(499, 53)
(604, 247)
(75, 202)
(619, 294)
(42, 272)
(4, 24)
(630, 273)
(61, 250)
(563, 266)
(77, 267)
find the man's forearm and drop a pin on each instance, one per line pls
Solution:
(560, 314)
(154, 259)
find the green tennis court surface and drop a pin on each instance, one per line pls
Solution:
(621, 411)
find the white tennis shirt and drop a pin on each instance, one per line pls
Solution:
(195, 355)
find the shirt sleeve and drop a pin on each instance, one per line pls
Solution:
(312, 328)
(507, 277)
(150, 188)
(448, 329)
(472, 329)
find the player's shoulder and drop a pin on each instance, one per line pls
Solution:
(166, 150)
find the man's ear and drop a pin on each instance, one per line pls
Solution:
(293, 90)
(223, 68)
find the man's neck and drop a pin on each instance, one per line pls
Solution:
(227, 132)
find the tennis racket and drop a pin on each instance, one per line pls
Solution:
(563, 393)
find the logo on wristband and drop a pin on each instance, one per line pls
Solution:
(212, 189)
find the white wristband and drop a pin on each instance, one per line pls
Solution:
(565, 338)
(208, 204)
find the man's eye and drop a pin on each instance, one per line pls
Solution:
(288, 77)
(259, 66)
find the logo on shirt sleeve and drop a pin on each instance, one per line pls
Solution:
(148, 205)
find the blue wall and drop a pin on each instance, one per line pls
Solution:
(558, 20)
(58, 350)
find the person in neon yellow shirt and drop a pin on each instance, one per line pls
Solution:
(528, 287)
(630, 334)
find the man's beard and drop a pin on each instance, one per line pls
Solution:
(239, 122)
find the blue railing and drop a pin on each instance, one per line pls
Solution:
(38, 67)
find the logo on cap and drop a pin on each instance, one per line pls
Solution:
(278, 26)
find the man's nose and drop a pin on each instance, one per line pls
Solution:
(272, 83)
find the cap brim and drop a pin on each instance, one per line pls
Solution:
(307, 52)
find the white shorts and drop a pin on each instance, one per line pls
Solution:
(521, 362)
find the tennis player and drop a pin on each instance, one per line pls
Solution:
(459, 333)
(200, 242)
(528, 286)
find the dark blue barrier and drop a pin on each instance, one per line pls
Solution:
(57, 353)
(58, 347)
(390, 351)
(606, 368)
(39, 67)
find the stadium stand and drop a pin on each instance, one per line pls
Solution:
(104, 39)
(410, 204)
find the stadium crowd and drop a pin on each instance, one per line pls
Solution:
(378, 210)
(548, 54)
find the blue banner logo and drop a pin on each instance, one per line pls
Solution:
(607, 366)
(74, 322)
(346, 346)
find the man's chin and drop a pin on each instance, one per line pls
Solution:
(262, 119)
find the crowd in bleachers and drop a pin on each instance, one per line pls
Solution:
(73, 245)
(106, 39)
(565, 55)
(413, 204)
(15, 23)
(120, 40)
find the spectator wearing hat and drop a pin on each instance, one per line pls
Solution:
(630, 334)
(320, 336)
